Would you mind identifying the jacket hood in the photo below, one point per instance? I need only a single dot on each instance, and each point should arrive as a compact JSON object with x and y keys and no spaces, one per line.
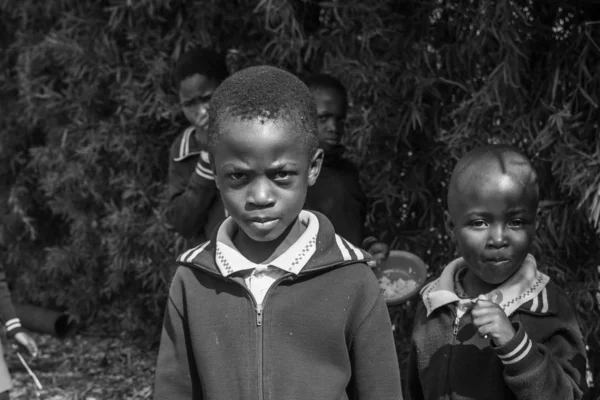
{"x":332,"y":251}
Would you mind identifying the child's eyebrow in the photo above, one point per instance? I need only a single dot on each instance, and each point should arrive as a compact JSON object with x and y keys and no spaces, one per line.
{"x":281,"y":165}
{"x":478,"y":213}
{"x":207,"y":93}
{"x":517,"y":210}
{"x":240,"y":166}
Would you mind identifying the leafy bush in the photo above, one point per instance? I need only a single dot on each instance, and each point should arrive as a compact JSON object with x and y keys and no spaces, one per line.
{"x":89,"y":113}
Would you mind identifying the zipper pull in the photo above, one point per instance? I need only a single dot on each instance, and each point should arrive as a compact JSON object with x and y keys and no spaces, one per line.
{"x":259,"y":315}
{"x":456,"y":323}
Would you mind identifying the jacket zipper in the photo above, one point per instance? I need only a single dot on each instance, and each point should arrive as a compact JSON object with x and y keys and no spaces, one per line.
{"x":259,"y":321}
{"x":259,"y":348}
{"x":260,"y":336}
{"x":456,"y":325}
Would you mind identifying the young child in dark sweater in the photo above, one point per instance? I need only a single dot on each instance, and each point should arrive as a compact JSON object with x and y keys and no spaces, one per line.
{"x":337,"y":193}
{"x":276,"y":305}
{"x":195,"y":208}
{"x":493,"y":326}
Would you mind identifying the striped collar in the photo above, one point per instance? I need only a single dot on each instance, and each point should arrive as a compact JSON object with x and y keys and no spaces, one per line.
{"x":190,"y":147}
{"x":527,"y":285}
{"x":229,"y":260}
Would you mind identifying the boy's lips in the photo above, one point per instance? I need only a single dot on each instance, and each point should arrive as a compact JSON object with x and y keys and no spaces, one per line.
{"x":261,"y":219}
{"x":262,"y":223}
{"x":497,"y":260}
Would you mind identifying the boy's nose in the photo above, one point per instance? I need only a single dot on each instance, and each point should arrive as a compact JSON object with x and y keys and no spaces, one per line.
{"x":331,"y":125}
{"x":260,"y":194}
{"x":497,"y":238}
{"x":202,"y":109}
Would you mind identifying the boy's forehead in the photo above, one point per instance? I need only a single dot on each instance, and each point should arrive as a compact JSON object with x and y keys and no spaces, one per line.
{"x":494,"y":165}
{"x":273,"y":130}
{"x":195,"y":83}
{"x":328,"y":95}
{"x":501,"y":170}
{"x":229,"y":121}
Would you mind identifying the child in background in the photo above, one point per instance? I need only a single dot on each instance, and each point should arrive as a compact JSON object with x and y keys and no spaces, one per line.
{"x":275,"y":305}
{"x":13,"y":330}
{"x":195,"y":208}
{"x":492,"y":326}
{"x":337,"y":193}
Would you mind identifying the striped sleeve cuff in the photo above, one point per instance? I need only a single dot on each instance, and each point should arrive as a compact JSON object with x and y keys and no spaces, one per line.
{"x":204,"y":170}
{"x":518,"y":353}
{"x":202,"y":177}
{"x":13,"y":326}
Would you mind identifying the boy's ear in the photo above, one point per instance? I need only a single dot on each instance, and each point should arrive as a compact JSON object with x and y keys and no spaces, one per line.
{"x":315,"y":166}
{"x":449,"y":224}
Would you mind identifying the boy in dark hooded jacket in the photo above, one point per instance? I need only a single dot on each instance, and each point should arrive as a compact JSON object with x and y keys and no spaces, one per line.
{"x":276,"y":305}
{"x":493,"y":326}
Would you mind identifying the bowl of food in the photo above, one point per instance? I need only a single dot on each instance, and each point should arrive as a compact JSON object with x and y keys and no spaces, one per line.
{"x":400,"y":276}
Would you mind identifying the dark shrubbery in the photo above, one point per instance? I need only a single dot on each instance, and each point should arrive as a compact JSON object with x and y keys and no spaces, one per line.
{"x":88,"y":115}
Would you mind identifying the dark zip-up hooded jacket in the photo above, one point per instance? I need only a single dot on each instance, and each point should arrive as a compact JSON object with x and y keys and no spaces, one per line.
{"x":545,"y":359}
{"x":323,"y":334}
{"x":195,"y":208}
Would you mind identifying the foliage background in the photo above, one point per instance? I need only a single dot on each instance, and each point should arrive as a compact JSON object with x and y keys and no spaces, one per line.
{"x":88,"y":114}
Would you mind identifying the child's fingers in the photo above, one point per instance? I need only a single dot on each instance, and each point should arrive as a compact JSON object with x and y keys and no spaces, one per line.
{"x":32,"y":347}
{"x":482,"y":307}
{"x":485,"y":326}
{"x":483,"y":319}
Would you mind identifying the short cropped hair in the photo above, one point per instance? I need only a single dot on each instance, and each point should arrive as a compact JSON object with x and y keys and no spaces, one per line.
{"x":268,"y":94}
{"x":203,"y":61}
{"x":483,"y":161}
{"x":326,"y":81}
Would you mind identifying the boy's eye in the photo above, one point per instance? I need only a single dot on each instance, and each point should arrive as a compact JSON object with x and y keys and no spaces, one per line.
{"x":236,"y":176}
{"x":323,"y":118}
{"x":196,"y":101}
{"x":282,"y":175}
{"x":516,"y":223}
{"x":478,"y":223}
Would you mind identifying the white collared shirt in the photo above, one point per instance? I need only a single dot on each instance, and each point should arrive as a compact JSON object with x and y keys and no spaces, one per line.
{"x":260,"y":277}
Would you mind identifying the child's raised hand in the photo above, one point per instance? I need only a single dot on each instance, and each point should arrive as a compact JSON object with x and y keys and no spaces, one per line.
{"x":491,"y":320}
{"x":379,"y":251}
{"x":27,"y":341}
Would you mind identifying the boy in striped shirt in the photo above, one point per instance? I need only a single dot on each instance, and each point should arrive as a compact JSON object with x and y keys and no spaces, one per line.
{"x":492,"y":326}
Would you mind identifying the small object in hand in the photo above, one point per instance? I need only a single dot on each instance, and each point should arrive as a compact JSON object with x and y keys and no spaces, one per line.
{"x":495,"y":296}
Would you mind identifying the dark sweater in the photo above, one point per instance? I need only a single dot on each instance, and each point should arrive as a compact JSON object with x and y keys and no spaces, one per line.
{"x":338,"y":194}
{"x":195,"y":208}
{"x":544,"y":360}
{"x":323,"y":334}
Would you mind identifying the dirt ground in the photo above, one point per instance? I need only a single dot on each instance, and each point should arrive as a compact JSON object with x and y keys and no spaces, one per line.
{"x":83,"y":368}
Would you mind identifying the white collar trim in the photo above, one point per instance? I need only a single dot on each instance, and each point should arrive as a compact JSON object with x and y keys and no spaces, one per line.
{"x":229,"y":260}
{"x":523,"y":286}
